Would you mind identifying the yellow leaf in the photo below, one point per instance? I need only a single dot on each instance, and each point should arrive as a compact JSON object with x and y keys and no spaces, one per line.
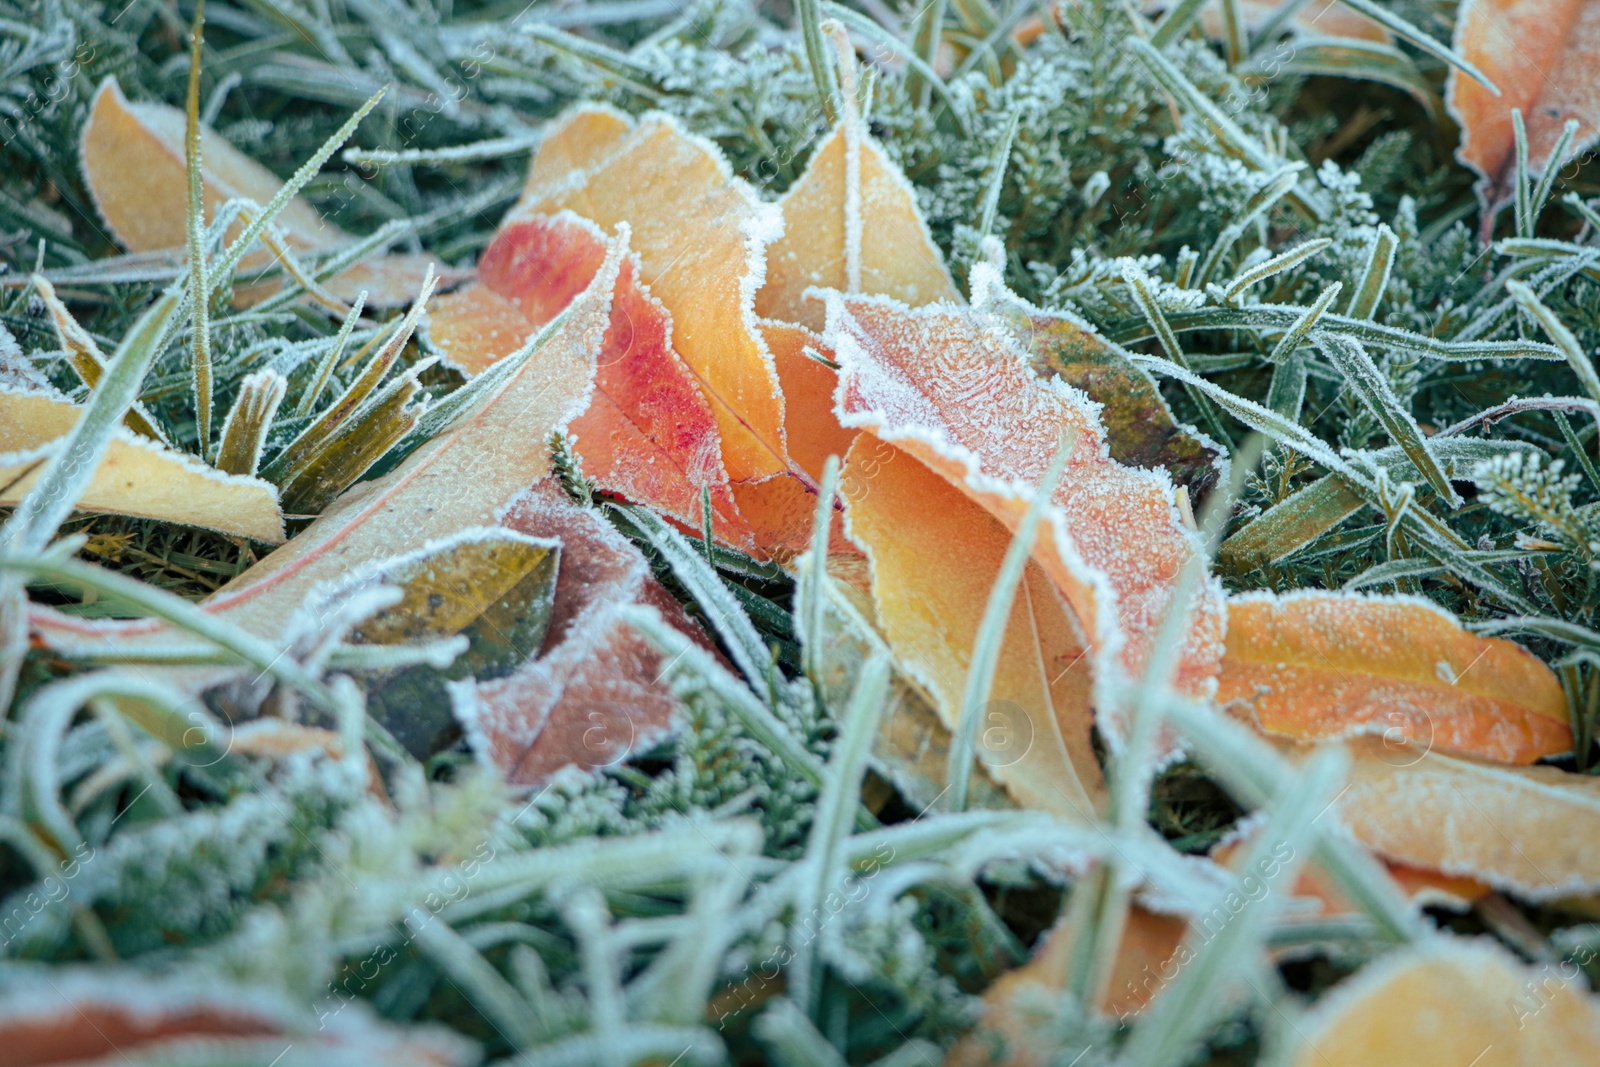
{"x":934,"y":558}
{"x":1319,"y":666}
{"x":825,"y":222}
{"x":133,"y":165}
{"x":137,"y":477}
{"x":1450,"y":1003}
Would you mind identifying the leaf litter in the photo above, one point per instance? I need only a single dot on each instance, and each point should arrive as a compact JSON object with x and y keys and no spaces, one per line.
{"x":673,"y":721}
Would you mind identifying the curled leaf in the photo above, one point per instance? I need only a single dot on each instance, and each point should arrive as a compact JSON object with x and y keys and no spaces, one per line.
{"x":1524,"y":830}
{"x":1317,"y":666}
{"x":649,"y":433}
{"x":934,"y":556}
{"x":953,"y":390}
{"x":137,"y":476}
{"x":700,"y":235}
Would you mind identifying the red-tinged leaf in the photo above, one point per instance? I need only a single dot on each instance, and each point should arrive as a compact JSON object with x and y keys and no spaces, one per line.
{"x":1318,"y":666}
{"x":1445,"y":1002}
{"x":701,"y":236}
{"x":113,"y":1016}
{"x":649,"y":433}
{"x":851,"y":212}
{"x":593,"y":695}
{"x":1541,"y":55}
{"x":953,"y":389}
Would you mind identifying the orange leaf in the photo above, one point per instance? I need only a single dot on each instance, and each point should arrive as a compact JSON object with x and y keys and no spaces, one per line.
{"x":1424,"y":887}
{"x":830,"y":219}
{"x":112,"y":1016}
{"x":592,"y":695}
{"x":1018,"y":1007}
{"x":137,"y":476}
{"x":1525,"y":830}
{"x":700,"y":234}
{"x":1453,"y":1003}
{"x":934,"y":557}
{"x":1541,"y":54}
{"x":133,"y":165}
{"x":1319,"y":666}
{"x":953,"y":389}
{"x":575,"y":143}
{"x":648,"y":433}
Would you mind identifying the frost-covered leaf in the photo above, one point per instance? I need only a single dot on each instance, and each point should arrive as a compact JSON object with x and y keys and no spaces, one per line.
{"x":492,"y":586}
{"x":595,"y":693}
{"x":649,"y":433}
{"x":934,"y":557}
{"x":1317,"y":666}
{"x":700,"y":234}
{"x":952,"y":390}
{"x":1524,"y":830}
{"x":133,"y":164}
{"x":465,"y":477}
{"x":851,"y":222}
{"x":1140,"y":429}
{"x":1541,"y":55}
{"x":1448,"y":1002}
{"x":122,"y":1015}
{"x":137,"y":476}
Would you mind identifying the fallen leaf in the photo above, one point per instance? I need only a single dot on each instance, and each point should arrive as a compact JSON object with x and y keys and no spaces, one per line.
{"x":1140,"y":429}
{"x":934,"y":556}
{"x":575,"y":143}
{"x":133,"y":166}
{"x":834,"y":228}
{"x":1014,"y":1028}
{"x":1448,"y":1002}
{"x":494,"y":587}
{"x":1522,"y":830}
{"x":648,"y":434}
{"x":911,"y":750}
{"x":137,"y":476}
{"x":1541,"y":55}
{"x":119,"y":1015}
{"x":593,"y":690}
{"x":464,"y":477}
{"x":1319,"y":666}
{"x":594,"y":694}
{"x":700,"y":234}
{"x":1424,"y":888}
{"x":952,"y":388}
